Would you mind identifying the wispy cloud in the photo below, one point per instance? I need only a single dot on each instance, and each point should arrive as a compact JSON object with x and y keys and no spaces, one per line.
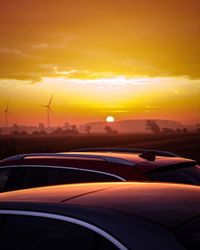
{"x":150,"y":107}
{"x":10,"y":51}
{"x":40,"y":46}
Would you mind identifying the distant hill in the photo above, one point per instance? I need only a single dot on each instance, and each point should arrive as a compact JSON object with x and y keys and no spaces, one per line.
{"x":129,"y":126}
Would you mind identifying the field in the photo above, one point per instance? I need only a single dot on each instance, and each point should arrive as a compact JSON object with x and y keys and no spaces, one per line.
{"x":187,"y":145}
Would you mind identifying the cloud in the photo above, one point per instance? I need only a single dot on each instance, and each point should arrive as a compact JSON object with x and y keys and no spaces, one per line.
{"x":40,"y":46}
{"x":120,"y":38}
{"x":150,"y":107}
{"x":9,"y":51}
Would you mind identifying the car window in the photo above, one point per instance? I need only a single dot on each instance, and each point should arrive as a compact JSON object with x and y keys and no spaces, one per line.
{"x":87,"y":176}
{"x":34,"y":233}
{"x":4,"y":175}
{"x":190,"y":175}
{"x":45,"y":176}
{"x":189,"y":234}
{"x":9,"y":178}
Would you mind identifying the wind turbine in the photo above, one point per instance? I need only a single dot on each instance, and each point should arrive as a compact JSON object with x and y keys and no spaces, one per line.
{"x":6,"y":115}
{"x":48,"y":107}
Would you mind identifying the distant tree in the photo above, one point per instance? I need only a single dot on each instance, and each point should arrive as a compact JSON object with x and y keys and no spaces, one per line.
{"x":24,"y":133}
{"x":168,"y":131}
{"x":15,"y":133}
{"x":88,"y":129}
{"x":68,"y":132}
{"x":41,"y":127}
{"x":152,"y":126}
{"x":185,"y":130}
{"x":178,"y":130}
{"x":42,"y":133}
{"x":74,"y":130}
{"x":35,"y":133}
{"x":198,"y":130}
{"x":110,"y":131}
{"x":66,"y":126}
{"x":115,"y":132}
{"x":58,"y":131}
{"x":197,"y":127}
{"x":15,"y":127}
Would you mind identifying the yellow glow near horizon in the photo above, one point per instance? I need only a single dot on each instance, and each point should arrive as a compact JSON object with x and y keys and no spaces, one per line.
{"x":81,"y":100}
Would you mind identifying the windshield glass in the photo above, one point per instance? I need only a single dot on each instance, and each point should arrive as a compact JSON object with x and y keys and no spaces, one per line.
{"x":189,"y":175}
{"x":189,"y":234}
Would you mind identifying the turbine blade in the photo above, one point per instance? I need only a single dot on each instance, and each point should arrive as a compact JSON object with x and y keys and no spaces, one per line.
{"x":50,"y":101}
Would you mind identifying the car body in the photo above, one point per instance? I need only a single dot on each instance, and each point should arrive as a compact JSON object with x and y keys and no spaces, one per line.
{"x":95,"y":165}
{"x":102,"y":216}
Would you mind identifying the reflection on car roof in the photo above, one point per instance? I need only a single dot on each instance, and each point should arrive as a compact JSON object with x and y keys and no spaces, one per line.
{"x":169,"y":204}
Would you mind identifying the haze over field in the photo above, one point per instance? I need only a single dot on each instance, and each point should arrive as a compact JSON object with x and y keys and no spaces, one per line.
{"x":130,"y":59}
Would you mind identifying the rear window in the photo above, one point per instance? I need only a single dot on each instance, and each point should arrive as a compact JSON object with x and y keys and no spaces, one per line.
{"x":189,"y":175}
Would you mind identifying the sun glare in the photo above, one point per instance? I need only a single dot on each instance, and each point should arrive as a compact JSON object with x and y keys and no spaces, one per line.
{"x":110,"y":119}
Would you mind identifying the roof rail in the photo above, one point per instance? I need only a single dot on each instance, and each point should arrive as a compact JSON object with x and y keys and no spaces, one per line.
{"x":127,"y":150}
{"x":14,"y":157}
{"x":74,"y":155}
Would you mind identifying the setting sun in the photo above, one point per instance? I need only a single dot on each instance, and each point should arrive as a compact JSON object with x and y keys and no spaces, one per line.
{"x":110,"y":119}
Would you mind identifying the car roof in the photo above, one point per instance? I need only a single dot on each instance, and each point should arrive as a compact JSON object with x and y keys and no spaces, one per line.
{"x":131,"y":159}
{"x":144,"y":165}
{"x":168,"y":204}
{"x":165,"y":163}
{"x":120,"y":158}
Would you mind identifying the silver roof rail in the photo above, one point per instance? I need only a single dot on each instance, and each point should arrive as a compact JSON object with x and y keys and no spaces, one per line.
{"x":14,"y":157}
{"x":127,"y":150}
{"x":73,"y":154}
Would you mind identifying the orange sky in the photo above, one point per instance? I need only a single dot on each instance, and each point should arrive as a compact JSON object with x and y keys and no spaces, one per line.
{"x":130,"y":59}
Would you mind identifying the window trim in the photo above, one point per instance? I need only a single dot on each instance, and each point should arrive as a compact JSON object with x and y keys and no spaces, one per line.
{"x":103,"y":173}
{"x":10,"y":166}
{"x":48,"y":166}
{"x":79,"y":222}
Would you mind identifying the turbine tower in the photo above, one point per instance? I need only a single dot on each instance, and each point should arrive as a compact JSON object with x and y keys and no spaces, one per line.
{"x":48,"y":107}
{"x":6,"y":115}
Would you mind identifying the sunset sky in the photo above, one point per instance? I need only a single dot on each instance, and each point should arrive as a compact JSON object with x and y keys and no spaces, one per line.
{"x":130,"y":59}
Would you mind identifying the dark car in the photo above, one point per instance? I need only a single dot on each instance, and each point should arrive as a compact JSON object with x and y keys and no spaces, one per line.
{"x":101,"y":216}
{"x":95,"y":165}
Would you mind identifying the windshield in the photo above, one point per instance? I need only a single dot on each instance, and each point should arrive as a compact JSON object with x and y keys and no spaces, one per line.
{"x":189,"y":234}
{"x":189,"y":175}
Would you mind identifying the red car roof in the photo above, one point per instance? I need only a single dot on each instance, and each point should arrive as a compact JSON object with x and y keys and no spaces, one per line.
{"x":130,"y":159}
